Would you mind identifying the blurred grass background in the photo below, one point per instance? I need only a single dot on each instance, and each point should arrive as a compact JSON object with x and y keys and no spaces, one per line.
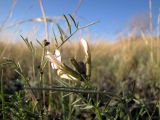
{"x":113,"y":64}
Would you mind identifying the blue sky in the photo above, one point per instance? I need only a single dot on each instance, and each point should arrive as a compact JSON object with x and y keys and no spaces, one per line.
{"x":112,"y":14}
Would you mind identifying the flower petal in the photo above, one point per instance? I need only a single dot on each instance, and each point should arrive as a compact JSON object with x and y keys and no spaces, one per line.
{"x":54,"y":66}
{"x":64,"y":75}
{"x":58,"y":55}
{"x":55,"y":63}
{"x":85,"y":46}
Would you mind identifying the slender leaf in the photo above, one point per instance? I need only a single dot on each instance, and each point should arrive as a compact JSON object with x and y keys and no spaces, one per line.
{"x":73,"y":20}
{"x":61,"y":32}
{"x":55,"y":38}
{"x":69,"y":26}
{"x":39,"y":43}
{"x":77,"y":26}
{"x":87,"y":107}
{"x":75,"y":102}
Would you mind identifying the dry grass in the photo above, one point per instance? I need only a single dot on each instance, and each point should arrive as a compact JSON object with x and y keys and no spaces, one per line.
{"x":131,"y":64}
{"x":111,"y":58}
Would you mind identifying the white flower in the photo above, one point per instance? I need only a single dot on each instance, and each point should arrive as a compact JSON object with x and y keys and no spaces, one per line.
{"x":85,"y":46}
{"x":62,"y":70}
{"x":54,"y":59}
{"x":65,"y":71}
{"x":57,"y":55}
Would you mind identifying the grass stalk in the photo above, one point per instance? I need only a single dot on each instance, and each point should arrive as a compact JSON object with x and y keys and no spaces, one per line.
{"x":2,"y":95}
{"x":47,"y":38}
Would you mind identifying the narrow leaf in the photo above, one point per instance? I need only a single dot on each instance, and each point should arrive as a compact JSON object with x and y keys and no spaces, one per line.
{"x":77,"y":25}
{"x":39,"y":43}
{"x":73,"y":20}
{"x":55,"y":38}
{"x":27,"y":42}
{"x":61,"y":32}
{"x":87,"y":107}
{"x":69,"y":26}
{"x":76,"y":101}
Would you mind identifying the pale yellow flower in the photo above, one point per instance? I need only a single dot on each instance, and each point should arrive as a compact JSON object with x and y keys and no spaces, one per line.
{"x":62,"y":70}
{"x":85,"y":46}
{"x":54,"y":59}
{"x":82,"y":70}
{"x":58,"y":57}
{"x":64,"y":75}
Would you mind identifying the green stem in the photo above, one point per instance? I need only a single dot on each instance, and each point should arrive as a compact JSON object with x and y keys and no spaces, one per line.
{"x":98,"y":114}
{"x":2,"y":95}
{"x":41,"y":74}
{"x":67,"y":38}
